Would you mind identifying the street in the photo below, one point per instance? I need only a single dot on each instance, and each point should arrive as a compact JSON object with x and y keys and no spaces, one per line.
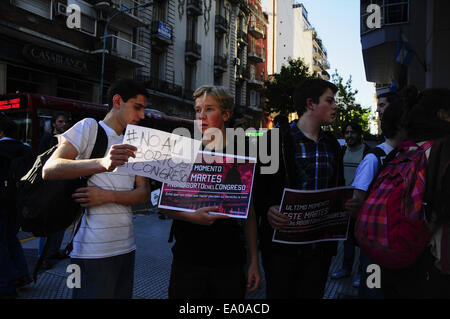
{"x":152,"y":268}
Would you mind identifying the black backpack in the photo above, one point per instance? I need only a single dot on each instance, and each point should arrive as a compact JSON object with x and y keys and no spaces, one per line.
{"x":46,"y":207}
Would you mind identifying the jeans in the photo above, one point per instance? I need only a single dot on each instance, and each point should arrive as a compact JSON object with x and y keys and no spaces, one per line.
{"x":55,"y":241}
{"x":110,"y":277}
{"x":349,"y":257}
{"x":12,"y":260}
{"x":299,"y":275}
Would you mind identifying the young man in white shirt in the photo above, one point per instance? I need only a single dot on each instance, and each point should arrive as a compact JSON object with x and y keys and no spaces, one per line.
{"x":366,"y":172}
{"x":104,"y":247}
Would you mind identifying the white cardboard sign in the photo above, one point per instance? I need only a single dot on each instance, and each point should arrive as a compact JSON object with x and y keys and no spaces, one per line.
{"x":161,"y":156}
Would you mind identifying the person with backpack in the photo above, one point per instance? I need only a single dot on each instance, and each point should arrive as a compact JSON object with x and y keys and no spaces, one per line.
{"x":310,"y":159}
{"x":48,"y":140}
{"x":104,"y":246}
{"x":366,"y":173}
{"x":15,"y":160}
{"x":354,"y":151}
{"x":416,"y":264}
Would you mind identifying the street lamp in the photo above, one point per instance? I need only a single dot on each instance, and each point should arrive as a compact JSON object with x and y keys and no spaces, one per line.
{"x":105,"y":33}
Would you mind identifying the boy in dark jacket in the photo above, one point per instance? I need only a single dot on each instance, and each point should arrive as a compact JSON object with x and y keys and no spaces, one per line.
{"x":310,"y":159}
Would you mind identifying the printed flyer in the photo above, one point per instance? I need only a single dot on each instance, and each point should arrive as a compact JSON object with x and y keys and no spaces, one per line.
{"x":216,"y":179}
{"x":314,"y":216}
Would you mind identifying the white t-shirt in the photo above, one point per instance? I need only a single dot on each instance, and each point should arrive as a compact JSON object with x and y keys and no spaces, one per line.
{"x":368,"y":168}
{"x":105,"y":230}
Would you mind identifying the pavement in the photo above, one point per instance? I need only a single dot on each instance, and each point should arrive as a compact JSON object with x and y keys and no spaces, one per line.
{"x":152,"y":266}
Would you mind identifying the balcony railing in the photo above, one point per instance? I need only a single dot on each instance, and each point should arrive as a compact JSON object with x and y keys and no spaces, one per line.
{"x":130,"y":18}
{"x":162,"y":32}
{"x":256,"y":29}
{"x":392,"y":13}
{"x":220,"y":63}
{"x":123,"y":48}
{"x":253,"y":78}
{"x":194,"y":7}
{"x":156,"y":84}
{"x":255,"y":53}
{"x":221,"y":24}
{"x":193,"y":50}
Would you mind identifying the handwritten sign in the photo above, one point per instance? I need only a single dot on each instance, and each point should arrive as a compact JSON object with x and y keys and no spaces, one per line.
{"x":162,"y":156}
{"x":314,"y":216}
{"x":216,"y":179}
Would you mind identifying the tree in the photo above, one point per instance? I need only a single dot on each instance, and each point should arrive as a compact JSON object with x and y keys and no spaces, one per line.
{"x":278,"y":89}
{"x":348,"y":109}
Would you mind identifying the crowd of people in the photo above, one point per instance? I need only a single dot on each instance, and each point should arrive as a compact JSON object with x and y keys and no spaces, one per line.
{"x":215,"y":256}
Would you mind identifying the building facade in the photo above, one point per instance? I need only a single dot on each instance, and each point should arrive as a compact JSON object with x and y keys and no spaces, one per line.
{"x":173,"y":46}
{"x":410,"y":46}
{"x":291,"y":35}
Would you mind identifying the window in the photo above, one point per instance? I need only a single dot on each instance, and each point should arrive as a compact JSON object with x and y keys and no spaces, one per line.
{"x":219,"y":7}
{"x":88,"y":17}
{"x":392,"y":12}
{"x":218,"y":80}
{"x":156,"y":63}
{"x":42,"y":8}
{"x":189,"y":80}
{"x":88,"y":24}
{"x":396,"y":12}
{"x":191,"y":34}
{"x":159,"y":11}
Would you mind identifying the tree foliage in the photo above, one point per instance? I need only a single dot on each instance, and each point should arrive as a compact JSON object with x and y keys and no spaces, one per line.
{"x":348,"y":109}
{"x":279,"y":88}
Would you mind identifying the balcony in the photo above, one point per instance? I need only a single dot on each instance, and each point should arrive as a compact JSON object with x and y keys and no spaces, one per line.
{"x":121,"y":50}
{"x":253,"y":79}
{"x":242,"y":37}
{"x":220,"y":63}
{"x":379,"y":45}
{"x":255,"y":53}
{"x":130,"y":18}
{"x":221,"y":24}
{"x":317,"y":67}
{"x":159,"y":85}
{"x":194,"y":7}
{"x":256,"y":29}
{"x":193,"y":51}
{"x":161,"y":34}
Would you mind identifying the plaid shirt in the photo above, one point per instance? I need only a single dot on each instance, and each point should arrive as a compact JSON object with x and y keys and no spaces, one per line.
{"x":315,"y":162}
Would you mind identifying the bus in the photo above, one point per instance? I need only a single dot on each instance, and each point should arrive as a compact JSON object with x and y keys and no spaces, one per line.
{"x":32,"y":113}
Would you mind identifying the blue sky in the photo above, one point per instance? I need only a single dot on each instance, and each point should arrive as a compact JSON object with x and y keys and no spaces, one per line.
{"x":337,"y":24}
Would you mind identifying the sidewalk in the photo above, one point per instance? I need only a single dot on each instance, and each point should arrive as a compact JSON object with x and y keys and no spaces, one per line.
{"x":153,"y":261}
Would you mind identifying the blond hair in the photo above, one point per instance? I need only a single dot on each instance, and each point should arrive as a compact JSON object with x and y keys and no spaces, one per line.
{"x":219,"y":93}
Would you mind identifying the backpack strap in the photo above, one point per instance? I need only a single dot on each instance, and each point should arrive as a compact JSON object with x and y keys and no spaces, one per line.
{"x":379,"y":153}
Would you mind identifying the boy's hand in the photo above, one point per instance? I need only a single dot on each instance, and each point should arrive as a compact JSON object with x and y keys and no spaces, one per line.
{"x":117,"y":156}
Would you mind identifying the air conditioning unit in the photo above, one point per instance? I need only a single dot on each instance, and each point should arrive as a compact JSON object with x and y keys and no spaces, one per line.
{"x":61,"y":9}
